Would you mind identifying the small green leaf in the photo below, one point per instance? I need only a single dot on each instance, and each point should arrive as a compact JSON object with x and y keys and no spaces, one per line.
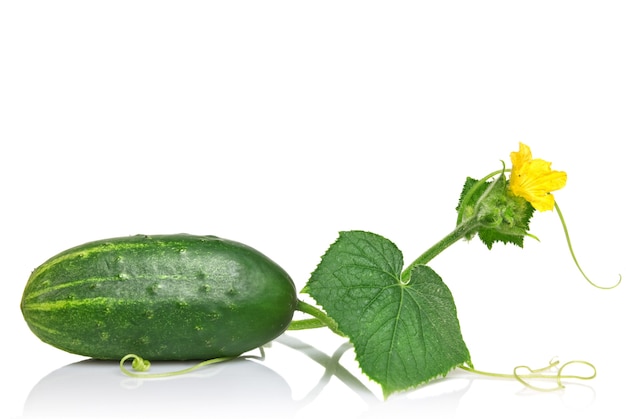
{"x":471,"y":193}
{"x":404,"y":334}
{"x":503,"y":217}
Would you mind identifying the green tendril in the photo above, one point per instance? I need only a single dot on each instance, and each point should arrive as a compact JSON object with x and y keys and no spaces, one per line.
{"x":549,"y":372}
{"x":571,"y":251}
{"x":142,"y":366}
{"x":138,"y":364}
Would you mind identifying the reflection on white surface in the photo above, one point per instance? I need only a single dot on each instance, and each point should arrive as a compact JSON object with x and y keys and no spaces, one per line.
{"x":97,"y":389}
{"x":295,"y":380}
{"x":239,"y":388}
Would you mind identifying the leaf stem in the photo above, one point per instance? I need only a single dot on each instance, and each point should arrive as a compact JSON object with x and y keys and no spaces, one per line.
{"x":462,"y":230}
{"x":320,"y":319}
{"x":306,"y":324}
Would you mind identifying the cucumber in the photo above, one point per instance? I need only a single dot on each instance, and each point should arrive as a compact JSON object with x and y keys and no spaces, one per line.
{"x":167,"y":297}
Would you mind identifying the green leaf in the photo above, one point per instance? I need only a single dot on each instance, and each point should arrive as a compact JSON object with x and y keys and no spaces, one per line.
{"x":404,"y":334}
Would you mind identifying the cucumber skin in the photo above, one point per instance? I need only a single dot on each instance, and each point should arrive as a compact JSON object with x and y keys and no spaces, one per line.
{"x":167,"y":297}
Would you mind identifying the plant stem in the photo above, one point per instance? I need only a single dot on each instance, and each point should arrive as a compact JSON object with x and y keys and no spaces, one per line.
{"x":462,"y":230}
{"x":306,"y":324}
{"x":321,"y":319}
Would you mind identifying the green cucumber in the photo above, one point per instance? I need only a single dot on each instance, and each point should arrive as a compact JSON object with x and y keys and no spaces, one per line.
{"x":167,"y":297}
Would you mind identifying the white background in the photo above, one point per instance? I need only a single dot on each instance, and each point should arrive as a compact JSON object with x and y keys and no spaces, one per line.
{"x":280,"y":123}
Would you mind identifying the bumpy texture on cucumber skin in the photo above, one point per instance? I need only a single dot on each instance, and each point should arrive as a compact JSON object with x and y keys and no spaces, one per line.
{"x":168,"y":297}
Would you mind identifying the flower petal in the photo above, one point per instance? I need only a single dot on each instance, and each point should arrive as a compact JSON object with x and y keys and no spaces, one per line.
{"x":543,"y":203}
{"x":534,"y":179}
{"x":524,"y":155}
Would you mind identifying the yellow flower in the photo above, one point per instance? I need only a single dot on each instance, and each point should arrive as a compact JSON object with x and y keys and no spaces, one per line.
{"x":533,"y":179}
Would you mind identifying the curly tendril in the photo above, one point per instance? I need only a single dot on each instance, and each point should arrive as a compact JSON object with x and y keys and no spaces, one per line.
{"x":138,"y":364}
{"x":559,"y":376}
{"x":523,"y":374}
{"x":142,"y":366}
